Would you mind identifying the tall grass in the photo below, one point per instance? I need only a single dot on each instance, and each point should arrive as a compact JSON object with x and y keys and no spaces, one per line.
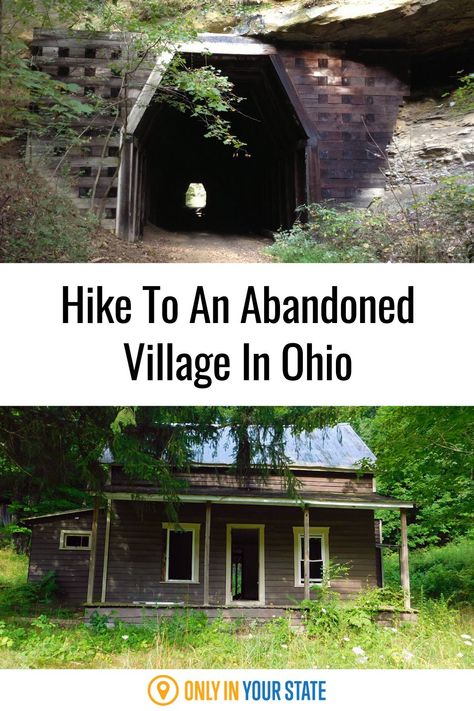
{"x":13,"y":568}
{"x":442,"y":638}
{"x":438,"y":572}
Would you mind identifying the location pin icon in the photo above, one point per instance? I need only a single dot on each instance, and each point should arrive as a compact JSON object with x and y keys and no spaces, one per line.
{"x":163,"y":688}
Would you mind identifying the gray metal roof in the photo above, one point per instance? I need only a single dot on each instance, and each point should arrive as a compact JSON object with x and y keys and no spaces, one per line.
{"x":338,"y":447}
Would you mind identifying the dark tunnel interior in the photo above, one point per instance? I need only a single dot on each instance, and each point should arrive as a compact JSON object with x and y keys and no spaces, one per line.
{"x":247,"y":191}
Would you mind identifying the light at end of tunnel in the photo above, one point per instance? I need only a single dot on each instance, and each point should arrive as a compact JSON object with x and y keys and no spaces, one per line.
{"x":196,"y":196}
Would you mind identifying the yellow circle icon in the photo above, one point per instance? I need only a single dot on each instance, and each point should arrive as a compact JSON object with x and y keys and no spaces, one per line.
{"x":163,"y":690}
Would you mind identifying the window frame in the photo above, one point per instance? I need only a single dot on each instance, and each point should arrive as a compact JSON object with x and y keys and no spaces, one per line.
{"x":298,"y":536}
{"x":71,"y":532}
{"x":195,"y":529}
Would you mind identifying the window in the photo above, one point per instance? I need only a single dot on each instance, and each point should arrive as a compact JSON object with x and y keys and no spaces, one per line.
{"x":318,"y":554}
{"x":181,"y":552}
{"x":75,"y":540}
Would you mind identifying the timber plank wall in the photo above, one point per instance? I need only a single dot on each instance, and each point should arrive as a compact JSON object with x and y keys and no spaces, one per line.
{"x":136,"y":555}
{"x":215,"y":480}
{"x":71,"y":566}
{"x":135,"y":561}
{"x":352,"y":104}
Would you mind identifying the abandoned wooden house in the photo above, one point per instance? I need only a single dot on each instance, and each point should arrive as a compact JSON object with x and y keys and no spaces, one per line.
{"x":240,"y":548}
{"x":316,"y":123}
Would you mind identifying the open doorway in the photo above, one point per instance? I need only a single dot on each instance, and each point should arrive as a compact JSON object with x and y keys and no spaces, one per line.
{"x":245,"y":564}
{"x":246,"y":192}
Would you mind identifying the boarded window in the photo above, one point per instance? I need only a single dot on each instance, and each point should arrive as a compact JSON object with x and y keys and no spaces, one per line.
{"x":75,"y":540}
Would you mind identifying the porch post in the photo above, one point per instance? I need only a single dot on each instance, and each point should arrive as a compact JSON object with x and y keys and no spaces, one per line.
{"x":93,"y":553}
{"x":207,"y":551}
{"x":306,"y":552}
{"x":106,"y":551}
{"x":404,"y":570}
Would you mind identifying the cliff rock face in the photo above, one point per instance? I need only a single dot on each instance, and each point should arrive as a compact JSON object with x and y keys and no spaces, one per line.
{"x":420,"y":25}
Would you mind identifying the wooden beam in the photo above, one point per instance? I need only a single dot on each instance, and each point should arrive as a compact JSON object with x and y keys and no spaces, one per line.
{"x":106,"y":552}
{"x":93,"y":553}
{"x":124,"y":188}
{"x":207,"y":553}
{"x":148,"y":92}
{"x":404,"y":569}
{"x":306,"y":553}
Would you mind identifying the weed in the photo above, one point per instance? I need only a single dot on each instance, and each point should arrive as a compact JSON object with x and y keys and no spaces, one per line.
{"x":436,"y":228}
{"x":38,"y":224}
{"x":442,"y":638}
{"x":462,"y":98}
{"x":438,"y":573}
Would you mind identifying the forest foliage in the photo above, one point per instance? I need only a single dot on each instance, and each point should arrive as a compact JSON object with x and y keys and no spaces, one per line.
{"x":50,"y":456}
{"x":32,"y":102}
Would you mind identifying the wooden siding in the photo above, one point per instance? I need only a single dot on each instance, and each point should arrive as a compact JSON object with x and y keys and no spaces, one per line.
{"x":70,"y":566}
{"x":136,"y":554}
{"x":313,"y":482}
{"x":351,"y":107}
{"x":135,"y":558}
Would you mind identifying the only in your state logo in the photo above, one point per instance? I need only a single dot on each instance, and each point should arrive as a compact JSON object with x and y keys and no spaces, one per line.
{"x":163,"y":690}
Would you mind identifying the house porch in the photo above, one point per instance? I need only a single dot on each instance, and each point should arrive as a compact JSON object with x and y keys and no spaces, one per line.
{"x":240,"y":557}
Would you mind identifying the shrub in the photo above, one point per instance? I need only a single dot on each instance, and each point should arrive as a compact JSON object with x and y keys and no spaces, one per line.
{"x":36,"y":223}
{"x":437,"y":228}
{"x":327,"y":614}
{"x":438,"y":572}
{"x":463,"y":96}
{"x":24,"y":597}
{"x":327,"y":236}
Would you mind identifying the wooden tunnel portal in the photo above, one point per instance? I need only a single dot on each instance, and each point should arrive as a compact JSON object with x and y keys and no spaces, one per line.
{"x":316,"y":123}
{"x":248,"y":190}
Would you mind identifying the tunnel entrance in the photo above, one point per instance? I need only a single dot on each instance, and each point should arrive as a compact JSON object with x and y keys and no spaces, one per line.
{"x":246,"y":192}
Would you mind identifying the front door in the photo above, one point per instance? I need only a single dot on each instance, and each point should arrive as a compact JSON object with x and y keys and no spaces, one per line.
{"x":245,"y":575}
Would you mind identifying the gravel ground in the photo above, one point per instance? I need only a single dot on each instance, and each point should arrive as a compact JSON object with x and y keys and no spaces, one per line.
{"x":161,"y":246}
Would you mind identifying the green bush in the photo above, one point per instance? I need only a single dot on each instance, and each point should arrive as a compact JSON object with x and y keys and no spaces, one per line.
{"x":327,"y":614}
{"x":24,"y":597}
{"x":463,"y":96}
{"x":436,"y":228}
{"x":438,"y":572}
{"x":327,"y":236}
{"x":38,"y":224}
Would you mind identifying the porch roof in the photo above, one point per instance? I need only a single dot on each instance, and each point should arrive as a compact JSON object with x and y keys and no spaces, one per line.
{"x":267,"y":498}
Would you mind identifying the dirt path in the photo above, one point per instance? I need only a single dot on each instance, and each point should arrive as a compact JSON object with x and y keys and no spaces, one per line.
{"x":173,"y":247}
{"x":205,"y":246}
